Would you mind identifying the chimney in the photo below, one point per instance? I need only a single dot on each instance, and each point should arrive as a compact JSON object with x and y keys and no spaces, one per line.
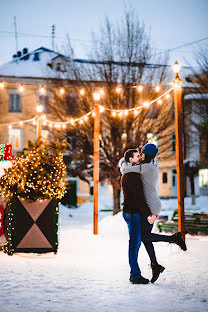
{"x":25,"y":51}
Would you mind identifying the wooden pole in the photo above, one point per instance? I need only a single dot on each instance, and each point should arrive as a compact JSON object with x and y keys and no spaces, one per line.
{"x":179,"y":154}
{"x":39,"y":127}
{"x":96,"y":166}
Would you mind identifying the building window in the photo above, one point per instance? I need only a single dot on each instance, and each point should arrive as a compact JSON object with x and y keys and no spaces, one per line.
{"x":44,"y":100}
{"x":15,"y":138}
{"x":165,"y":177}
{"x":153,"y":111}
{"x":14,"y":103}
{"x":72,"y":103}
{"x":173,"y":143}
{"x":203,"y":178}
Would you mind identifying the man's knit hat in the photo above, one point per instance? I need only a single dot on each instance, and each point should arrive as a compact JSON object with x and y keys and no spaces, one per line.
{"x":150,"y":149}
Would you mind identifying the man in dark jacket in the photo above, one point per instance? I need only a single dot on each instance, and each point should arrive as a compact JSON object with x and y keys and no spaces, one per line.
{"x":134,"y":206}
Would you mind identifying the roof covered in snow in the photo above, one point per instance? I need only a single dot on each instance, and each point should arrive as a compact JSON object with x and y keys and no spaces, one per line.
{"x":35,"y":64}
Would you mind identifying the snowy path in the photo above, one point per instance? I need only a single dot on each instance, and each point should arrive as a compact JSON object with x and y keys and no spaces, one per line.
{"x":90,"y":273}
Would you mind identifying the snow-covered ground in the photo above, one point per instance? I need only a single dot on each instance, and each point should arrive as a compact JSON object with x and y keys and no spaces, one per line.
{"x":90,"y":273}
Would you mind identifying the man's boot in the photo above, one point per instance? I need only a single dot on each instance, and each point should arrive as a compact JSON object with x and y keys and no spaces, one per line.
{"x":177,"y":239}
{"x":139,"y":280}
{"x":156,"y":270}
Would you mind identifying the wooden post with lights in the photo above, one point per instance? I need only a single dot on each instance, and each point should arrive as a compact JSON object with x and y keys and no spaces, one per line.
{"x":179,"y":149}
{"x":96,"y":162}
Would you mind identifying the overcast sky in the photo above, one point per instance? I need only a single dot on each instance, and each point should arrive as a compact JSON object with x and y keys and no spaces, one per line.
{"x":171,"y":23}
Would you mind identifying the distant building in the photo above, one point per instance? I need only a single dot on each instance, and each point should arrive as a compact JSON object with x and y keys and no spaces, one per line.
{"x":26,"y":82}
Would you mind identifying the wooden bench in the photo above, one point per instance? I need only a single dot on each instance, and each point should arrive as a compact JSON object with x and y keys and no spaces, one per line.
{"x":195,"y":223}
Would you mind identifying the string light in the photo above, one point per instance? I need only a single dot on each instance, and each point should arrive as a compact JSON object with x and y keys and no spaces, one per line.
{"x":62,"y":91}
{"x":157,"y":88}
{"x":82,"y":92}
{"x":96,"y":96}
{"x":101,"y":108}
{"x":39,"y":108}
{"x":21,"y":88}
{"x":159,"y":101}
{"x":167,"y":96}
{"x":140,"y":88}
{"x":118,"y":90}
{"x":113,"y":113}
{"x":146,"y":104}
{"x":102,"y":92}
{"x":42,"y":90}
{"x":1,"y":84}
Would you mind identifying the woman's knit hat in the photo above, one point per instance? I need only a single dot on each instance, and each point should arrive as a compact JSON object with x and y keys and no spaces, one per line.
{"x":150,"y":149}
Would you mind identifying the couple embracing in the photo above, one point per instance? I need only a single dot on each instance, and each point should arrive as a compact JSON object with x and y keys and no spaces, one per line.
{"x":141,"y":207}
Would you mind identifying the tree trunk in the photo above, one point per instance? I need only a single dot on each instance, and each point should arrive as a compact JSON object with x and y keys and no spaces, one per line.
{"x":193,"y":202}
{"x":116,"y":200}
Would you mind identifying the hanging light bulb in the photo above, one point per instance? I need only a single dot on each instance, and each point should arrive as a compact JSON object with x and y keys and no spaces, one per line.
{"x":102,"y":92}
{"x":93,"y":114}
{"x":39,"y":108}
{"x":113,"y":113}
{"x":135,"y":112}
{"x":21,"y":123}
{"x":146,"y":104}
{"x":42,"y":90}
{"x":157,"y":88}
{"x":159,"y":101}
{"x":64,"y":126}
{"x":85,"y":118}
{"x":10,"y":126}
{"x":96,"y":96}
{"x":118,"y":90}
{"x":21,"y":88}
{"x":81,"y":121}
{"x":50,"y":125}
{"x":34,"y":122}
{"x":167,"y":96}
{"x":72,"y":122}
{"x":101,"y":108}
{"x":1,"y":84}
{"x":82,"y":92}
{"x":126,"y":112}
{"x":62,"y":91}
{"x":140,"y":88}
{"x":120,"y":114}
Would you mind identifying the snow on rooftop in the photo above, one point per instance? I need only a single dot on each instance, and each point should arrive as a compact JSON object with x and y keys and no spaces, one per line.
{"x":196,"y":96}
{"x":33,"y":64}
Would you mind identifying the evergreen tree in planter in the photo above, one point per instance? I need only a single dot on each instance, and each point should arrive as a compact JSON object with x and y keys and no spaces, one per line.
{"x":33,"y":187}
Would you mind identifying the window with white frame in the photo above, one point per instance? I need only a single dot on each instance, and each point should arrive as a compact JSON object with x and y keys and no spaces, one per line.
{"x":14,"y":101}
{"x":44,"y":100}
{"x":15,"y":138}
{"x":173,"y":143}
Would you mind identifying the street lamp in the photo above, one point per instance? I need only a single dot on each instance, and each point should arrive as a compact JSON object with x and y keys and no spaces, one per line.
{"x":179,"y":148}
{"x":96,"y":97}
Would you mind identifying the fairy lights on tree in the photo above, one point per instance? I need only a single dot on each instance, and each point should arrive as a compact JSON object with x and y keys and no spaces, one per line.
{"x":38,"y":173}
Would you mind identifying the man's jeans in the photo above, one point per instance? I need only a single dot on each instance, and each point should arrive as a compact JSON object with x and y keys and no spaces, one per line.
{"x":134,"y":226}
{"x":148,"y":237}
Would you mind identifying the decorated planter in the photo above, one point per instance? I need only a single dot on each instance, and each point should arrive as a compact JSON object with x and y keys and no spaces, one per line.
{"x":32,"y":226}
